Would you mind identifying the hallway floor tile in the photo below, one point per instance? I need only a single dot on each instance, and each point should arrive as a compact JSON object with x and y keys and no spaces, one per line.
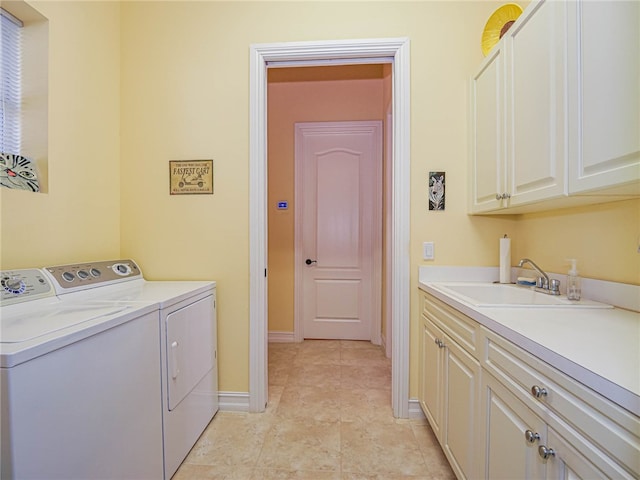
{"x":329,"y":417}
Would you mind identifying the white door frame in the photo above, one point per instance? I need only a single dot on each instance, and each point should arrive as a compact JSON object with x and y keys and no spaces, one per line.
{"x":328,"y":53}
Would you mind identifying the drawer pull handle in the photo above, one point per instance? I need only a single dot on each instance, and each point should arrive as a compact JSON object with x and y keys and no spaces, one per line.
{"x":532,"y":437}
{"x":538,"y":392}
{"x":545,"y":452}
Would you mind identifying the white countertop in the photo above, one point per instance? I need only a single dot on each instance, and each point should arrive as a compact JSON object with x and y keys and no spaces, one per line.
{"x":599,"y":348}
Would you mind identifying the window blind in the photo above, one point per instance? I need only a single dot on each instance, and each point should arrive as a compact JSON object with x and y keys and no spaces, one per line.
{"x":10,"y":82}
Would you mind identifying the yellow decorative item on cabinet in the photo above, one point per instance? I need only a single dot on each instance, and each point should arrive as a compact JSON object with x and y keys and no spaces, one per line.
{"x":499,"y":22}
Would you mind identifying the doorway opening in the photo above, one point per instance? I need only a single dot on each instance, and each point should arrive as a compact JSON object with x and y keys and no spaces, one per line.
{"x":395,"y":51}
{"x":326,"y":109}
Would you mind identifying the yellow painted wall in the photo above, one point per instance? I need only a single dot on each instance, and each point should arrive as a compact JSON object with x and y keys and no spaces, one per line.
{"x":79,"y":217}
{"x":185,"y":85}
{"x":295,"y":95}
{"x":137,"y":84}
{"x":603,"y":238}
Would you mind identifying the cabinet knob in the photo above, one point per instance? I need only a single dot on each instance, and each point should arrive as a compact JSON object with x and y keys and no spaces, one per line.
{"x":538,"y":392}
{"x":532,"y":437}
{"x":546,"y":452}
{"x":439,"y":342}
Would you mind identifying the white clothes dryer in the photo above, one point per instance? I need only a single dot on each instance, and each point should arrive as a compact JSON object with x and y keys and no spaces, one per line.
{"x":79,"y":385}
{"x":188,"y":340}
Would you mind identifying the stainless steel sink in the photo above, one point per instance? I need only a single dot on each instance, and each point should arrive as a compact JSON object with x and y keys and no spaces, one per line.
{"x":507,"y":295}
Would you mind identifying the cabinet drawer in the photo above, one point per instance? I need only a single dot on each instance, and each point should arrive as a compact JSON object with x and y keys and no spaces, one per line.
{"x":564,"y":401}
{"x":576,"y":457}
{"x":459,"y":327}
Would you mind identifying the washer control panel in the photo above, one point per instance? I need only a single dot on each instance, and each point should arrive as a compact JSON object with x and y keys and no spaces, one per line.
{"x":23,"y":285}
{"x":79,"y":276}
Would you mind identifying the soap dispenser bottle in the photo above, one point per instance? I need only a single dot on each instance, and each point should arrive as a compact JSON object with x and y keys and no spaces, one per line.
{"x":573,"y":282}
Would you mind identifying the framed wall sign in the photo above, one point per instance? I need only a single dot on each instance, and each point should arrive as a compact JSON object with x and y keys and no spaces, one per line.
{"x":190,"y":177}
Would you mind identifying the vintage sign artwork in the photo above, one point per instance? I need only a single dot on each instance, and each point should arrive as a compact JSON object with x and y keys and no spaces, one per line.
{"x":190,"y":177}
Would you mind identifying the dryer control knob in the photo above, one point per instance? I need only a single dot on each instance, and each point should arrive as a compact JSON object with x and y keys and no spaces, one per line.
{"x":122,"y":269}
{"x":13,"y":285}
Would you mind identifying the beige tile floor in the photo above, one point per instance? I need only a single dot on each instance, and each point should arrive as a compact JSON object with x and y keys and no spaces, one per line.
{"x":329,"y":417}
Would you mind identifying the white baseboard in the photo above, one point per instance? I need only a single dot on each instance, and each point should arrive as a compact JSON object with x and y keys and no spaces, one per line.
{"x":281,"y":337}
{"x":233,"y":401}
{"x":239,"y":402}
{"x":415,"y":410}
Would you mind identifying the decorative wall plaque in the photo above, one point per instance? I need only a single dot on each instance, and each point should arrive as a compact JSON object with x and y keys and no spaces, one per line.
{"x":190,"y":177}
{"x":436,"y":190}
{"x":18,"y":172}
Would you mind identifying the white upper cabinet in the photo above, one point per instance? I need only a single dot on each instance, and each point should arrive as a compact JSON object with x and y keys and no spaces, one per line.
{"x":555,"y":109}
{"x":487,"y":126}
{"x":536,"y":95}
{"x":604,"y":99}
{"x":517,"y":111}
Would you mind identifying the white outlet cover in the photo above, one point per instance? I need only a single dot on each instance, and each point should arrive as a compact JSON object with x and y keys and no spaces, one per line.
{"x":428,"y":251}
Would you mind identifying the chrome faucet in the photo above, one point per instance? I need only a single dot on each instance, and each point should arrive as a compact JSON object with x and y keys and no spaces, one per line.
{"x":543,"y":283}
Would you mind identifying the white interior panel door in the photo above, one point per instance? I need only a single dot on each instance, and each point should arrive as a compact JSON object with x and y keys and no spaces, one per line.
{"x":339,"y":228}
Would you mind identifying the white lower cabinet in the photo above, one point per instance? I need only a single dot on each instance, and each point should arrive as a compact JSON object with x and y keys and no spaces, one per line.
{"x":501,"y":413}
{"x":584,"y":434}
{"x":519,"y":445}
{"x":462,"y":374}
{"x":431,"y":376}
{"x":506,"y":452}
{"x":449,"y":392}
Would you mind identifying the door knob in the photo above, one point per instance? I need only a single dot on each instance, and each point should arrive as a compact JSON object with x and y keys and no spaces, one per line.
{"x":308,"y":261}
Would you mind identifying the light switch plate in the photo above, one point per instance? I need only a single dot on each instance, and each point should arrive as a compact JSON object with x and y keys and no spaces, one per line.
{"x":427,"y":251}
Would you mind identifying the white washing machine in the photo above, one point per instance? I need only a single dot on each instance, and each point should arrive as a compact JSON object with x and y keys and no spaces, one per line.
{"x":188,"y":340}
{"x":79,"y":385}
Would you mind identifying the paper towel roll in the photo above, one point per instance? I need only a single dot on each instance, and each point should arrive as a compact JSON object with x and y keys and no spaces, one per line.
{"x":505,"y":260}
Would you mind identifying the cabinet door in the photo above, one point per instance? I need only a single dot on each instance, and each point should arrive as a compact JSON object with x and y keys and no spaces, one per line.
{"x":506,"y":453}
{"x":536,"y":93}
{"x":604,"y":116}
{"x":431,"y":375}
{"x":487,"y":134}
{"x":461,"y":387}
